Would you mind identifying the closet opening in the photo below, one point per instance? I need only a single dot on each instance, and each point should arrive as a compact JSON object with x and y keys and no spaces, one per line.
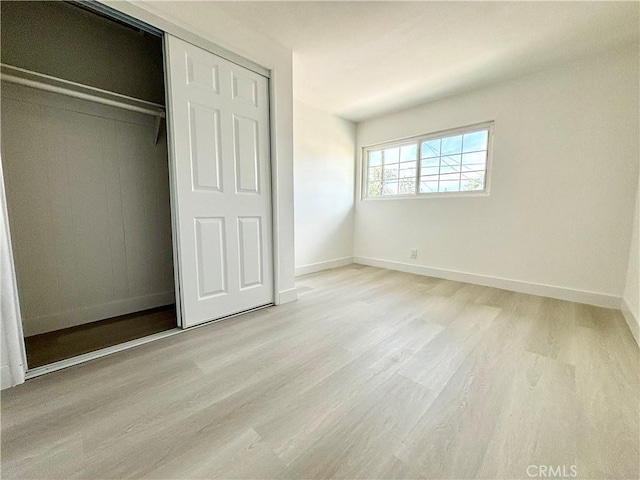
{"x":87,"y":178}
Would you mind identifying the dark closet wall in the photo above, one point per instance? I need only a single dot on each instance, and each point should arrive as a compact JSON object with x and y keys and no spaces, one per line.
{"x":87,"y":184}
{"x":62,"y":40}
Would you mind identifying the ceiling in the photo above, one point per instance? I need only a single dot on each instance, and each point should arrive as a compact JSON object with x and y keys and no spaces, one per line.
{"x":360,"y":59}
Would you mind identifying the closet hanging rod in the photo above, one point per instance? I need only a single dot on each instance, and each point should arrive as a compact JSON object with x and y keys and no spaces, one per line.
{"x":120,"y":100}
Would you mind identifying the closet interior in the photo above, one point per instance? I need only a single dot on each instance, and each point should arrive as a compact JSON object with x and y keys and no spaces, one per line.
{"x":85,"y":166}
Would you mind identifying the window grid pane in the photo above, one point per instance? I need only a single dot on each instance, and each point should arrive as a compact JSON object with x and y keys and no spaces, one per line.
{"x":451,"y":163}
{"x":393,"y":170}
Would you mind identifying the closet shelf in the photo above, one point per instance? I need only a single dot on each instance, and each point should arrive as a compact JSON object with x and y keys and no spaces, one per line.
{"x":52,"y":84}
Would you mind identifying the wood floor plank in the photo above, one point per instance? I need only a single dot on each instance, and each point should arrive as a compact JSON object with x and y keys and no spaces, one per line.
{"x":359,"y":445}
{"x":608,"y":405}
{"x":61,"y":458}
{"x":232,"y":453}
{"x":305,"y":420}
{"x":451,"y":439}
{"x":538,"y":424}
{"x":370,"y":374}
{"x":435,"y":363}
{"x":555,"y":326}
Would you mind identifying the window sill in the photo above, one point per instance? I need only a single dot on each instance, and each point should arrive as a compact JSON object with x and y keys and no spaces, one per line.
{"x":423,"y":196}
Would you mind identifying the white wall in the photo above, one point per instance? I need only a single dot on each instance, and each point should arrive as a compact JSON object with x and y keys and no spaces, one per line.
{"x":324,"y":166}
{"x":631,"y":295}
{"x":565,"y":169}
{"x":88,"y":198}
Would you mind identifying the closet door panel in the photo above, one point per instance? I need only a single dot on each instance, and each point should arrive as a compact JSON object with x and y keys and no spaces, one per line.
{"x":211,"y":246}
{"x":250,"y":238}
{"x":245,"y":154}
{"x":204,"y":129}
{"x":220,"y":133}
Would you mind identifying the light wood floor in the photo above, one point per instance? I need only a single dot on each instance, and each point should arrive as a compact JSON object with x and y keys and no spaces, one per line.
{"x":69,"y":342}
{"x":370,"y":374}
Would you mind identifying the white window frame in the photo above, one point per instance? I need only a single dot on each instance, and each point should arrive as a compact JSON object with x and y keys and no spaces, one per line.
{"x":364,"y":183}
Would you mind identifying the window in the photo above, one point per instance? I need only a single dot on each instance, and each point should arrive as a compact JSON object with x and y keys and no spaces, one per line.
{"x":454,"y":161}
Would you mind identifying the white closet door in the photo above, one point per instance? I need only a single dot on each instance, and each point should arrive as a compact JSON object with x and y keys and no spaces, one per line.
{"x":219,"y":121}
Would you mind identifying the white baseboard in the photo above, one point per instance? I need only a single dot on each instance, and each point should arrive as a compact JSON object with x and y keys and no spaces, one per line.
{"x":93,"y":313}
{"x":632,"y":321}
{"x":5,"y":377}
{"x":317,"y":267}
{"x":286,"y":296}
{"x":561,"y":293}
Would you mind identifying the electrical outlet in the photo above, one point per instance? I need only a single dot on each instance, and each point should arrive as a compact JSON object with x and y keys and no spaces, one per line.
{"x":413,"y":253}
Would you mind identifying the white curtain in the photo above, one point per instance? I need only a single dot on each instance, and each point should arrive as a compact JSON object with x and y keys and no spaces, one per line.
{"x":11,"y":337}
